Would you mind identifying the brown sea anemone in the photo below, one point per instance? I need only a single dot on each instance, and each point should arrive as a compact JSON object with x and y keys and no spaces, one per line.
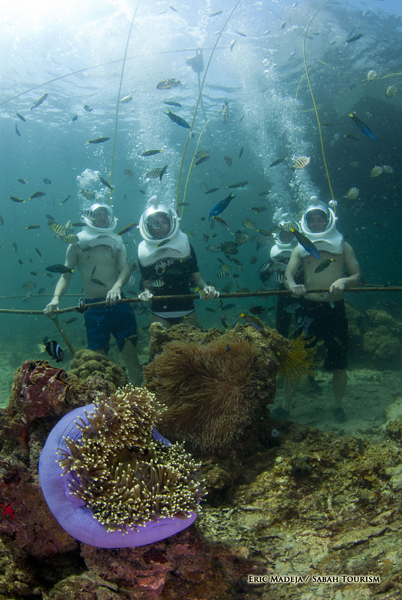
{"x":210,"y":391}
{"x":120,"y":471}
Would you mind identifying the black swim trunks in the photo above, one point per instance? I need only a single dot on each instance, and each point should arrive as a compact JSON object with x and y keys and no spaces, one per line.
{"x":101,"y":321}
{"x":320,"y":320}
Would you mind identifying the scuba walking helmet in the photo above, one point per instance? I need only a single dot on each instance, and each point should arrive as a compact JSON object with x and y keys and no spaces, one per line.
{"x":153,"y":217}
{"x":330,"y":239}
{"x":91,"y":215}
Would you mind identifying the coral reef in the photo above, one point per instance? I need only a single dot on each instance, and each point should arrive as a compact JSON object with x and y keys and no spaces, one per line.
{"x":213,"y":388}
{"x":88,"y":363}
{"x":116,"y":476}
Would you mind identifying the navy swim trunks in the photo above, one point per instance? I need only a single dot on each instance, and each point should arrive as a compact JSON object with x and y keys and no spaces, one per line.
{"x":321,"y":321}
{"x":101,"y":321}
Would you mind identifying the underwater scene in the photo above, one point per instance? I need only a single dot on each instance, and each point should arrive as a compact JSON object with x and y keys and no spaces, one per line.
{"x":246,"y":120}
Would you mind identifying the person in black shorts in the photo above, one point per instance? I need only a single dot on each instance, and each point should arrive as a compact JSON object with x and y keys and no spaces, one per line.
{"x":322,"y":314}
{"x":168,"y":266}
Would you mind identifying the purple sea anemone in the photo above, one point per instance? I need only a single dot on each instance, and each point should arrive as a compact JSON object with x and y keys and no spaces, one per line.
{"x":111,"y":480}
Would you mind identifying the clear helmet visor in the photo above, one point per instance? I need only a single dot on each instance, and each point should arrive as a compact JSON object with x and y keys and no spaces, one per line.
{"x":159,"y":222}
{"x":99,"y":216}
{"x":316,"y":219}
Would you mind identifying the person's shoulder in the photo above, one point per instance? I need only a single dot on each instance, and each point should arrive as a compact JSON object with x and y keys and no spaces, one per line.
{"x":347,"y":247}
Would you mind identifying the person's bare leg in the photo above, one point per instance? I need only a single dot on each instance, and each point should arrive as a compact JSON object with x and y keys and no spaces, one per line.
{"x":339,"y":381}
{"x":130,"y":357}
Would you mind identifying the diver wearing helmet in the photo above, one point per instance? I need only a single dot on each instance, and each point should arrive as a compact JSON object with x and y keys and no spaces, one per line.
{"x":279,"y":257}
{"x":168,"y":264}
{"x":101,"y":259}
{"x":322,"y":314}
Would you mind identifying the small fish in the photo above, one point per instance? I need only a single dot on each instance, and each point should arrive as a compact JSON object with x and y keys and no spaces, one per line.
{"x":362,"y":126}
{"x":258,"y":209}
{"x":98,"y":282}
{"x":229,"y":248}
{"x":324,"y":265}
{"x":156,"y":172}
{"x":232,"y":43}
{"x":257,"y":310}
{"x":1,"y":220}
{"x":27,"y":297}
{"x":229,"y":161}
{"x":15,"y":199}
{"x":42,"y":291}
{"x":241,"y":238}
{"x":93,"y":271}
{"x":70,"y":320}
{"x":81,"y":305}
{"x":380,"y":225}
{"x":306,"y":243}
{"x":150,"y":152}
{"x":354,"y":38}
{"x":88,"y":108}
{"x":277,"y":162}
{"x":254,"y":321}
{"x":15,"y":247}
{"x":212,"y":190}
{"x":47,"y":181}
{"x":33,"y":227}
{"x":300,"y":163}
{"x":210,"y":310}
{"x":216,"y":13}
{"x":17,"y":131}
{"x":241,"y":33}
{"x":126,"y":99}
{"x":59,"y":269}
{"x":249,"y":223}
{"x":388,"y":169}
{"x":222,"y":222}
{"x":352,"y":193}
{"x":188,"y":233}
{"x":252,"y":260}
{"x":131,"y":281}
{"x":173,"y":8}
{"x":49,"y":275}
{"x":178,"y":120}
{"x":391,"y":91}
{"x":183,"y":204}
{"x":128,"y":228}
{"x":263,"y":194}
{"x":28,"y":285}
{"x":104,"y":182}
{"x":172,"y":103}
{"x":163,"y":243}
{"x":129,"y":173}
{"x":22,"y":181}
{"x":225,"y":112}
{"x":58,"y":229}
{"x":227,"y":306}
{"x":37,"y":195}
{"x":222,"y":275}
{"x":264,"y":232}
{"x":88,"y":194}
{"x":371,"y":75}
{"x":99,"y":140}
{"x":74,"y":118}
{"x":376,"y":171}
{"x":158,"y":283}
{"x":240,"y":153}
{"x":201,"y":160}
{"x":166,"y":84}
{"x":38,"y":252}
{"x":52,"y":348}
{"x":237,"y":185}
{"x":352,"y":137}
{"x":220,"y":207}
{"x":65,"y":200}
{"x":20,"y":117}
{"x":39,"y":101}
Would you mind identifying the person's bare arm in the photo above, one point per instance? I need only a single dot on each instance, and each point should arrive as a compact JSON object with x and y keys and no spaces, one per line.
{"x":64,"y":281}
{"x":353,"y":280}
{"x":207,"y":291}
{"x":114,"y":293}
{"x":146,"y":295}
{"x":291,"y":270}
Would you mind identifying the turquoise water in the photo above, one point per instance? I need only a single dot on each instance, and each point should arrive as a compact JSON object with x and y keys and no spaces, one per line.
{"x":270,"y":117}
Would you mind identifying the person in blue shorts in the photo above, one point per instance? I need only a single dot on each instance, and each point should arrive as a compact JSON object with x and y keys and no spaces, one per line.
{"x":101,"y":259}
